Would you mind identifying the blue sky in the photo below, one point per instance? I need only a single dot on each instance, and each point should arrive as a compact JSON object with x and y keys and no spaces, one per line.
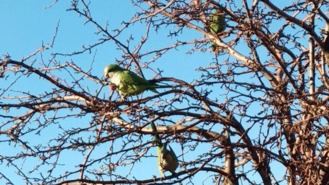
{"x":29,"y":24}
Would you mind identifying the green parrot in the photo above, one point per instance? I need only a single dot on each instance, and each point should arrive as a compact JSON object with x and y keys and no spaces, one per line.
{"x":217,"y":25}
{"x":127,"y":82}
{"x":167,"y":159}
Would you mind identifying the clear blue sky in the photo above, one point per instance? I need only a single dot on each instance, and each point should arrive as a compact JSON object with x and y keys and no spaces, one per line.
{"x":26,"y":25}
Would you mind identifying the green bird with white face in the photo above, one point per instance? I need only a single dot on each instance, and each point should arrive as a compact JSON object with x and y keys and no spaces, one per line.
{"x":167,"y":159}
{"x":217,"y":22}
{"x":127,"y":82}
{"x":216,"y":25}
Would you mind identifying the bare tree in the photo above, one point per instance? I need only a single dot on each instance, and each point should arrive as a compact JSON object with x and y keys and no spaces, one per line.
{"x":255,"y":114}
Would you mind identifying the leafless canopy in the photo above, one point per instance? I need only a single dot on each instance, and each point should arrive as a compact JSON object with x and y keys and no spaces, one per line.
{"x":255,"y":113}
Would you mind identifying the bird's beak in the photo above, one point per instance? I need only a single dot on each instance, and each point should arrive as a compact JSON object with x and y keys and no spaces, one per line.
{"x":105,"y":78}
{"x":106,"y":75}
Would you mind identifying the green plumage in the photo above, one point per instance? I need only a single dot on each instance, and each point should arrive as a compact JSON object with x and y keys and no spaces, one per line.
{"x":127,"y":82}
{"x":217,"y":25}
{"x":167,"y":159}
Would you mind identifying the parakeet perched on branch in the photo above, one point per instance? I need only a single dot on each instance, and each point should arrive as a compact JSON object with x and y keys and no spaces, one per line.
{"x":167,"y":160}
{"x":216,"y":25}
{"x":127,"y":82}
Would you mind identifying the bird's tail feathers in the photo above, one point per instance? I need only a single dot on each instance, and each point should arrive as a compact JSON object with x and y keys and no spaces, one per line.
{"x":154,"y":90}
{"x":163,"y":86}
{"x":159,"y":84}
{"x":173,"y":153}
{"x":154,"y":81}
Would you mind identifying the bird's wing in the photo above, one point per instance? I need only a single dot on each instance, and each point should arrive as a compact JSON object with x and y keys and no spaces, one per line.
{"x":214,"y":26}
{"x":128,"y":77}
{"x":217,"y":23}
{"x":169,"y":160}
{"x":172,"y":153}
